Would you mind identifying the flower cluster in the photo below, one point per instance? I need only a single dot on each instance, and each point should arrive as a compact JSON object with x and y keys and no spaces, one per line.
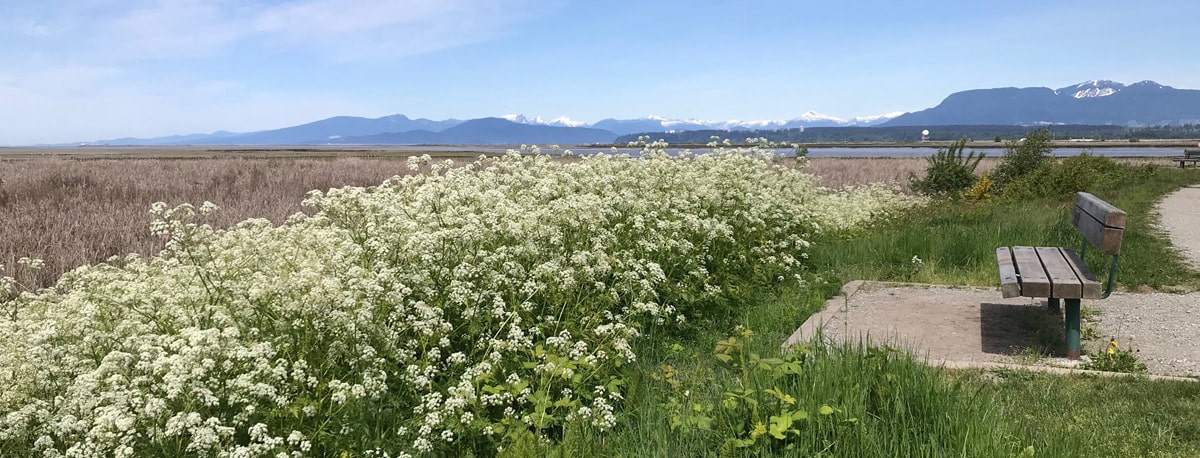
{"x":453,"y":309}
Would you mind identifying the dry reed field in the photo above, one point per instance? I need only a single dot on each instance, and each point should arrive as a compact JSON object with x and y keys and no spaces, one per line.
{"x":839,"y":173}
{"x":70,"y":212}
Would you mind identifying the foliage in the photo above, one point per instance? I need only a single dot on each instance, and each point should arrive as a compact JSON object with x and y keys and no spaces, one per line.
{"x":452,"y":312}
{"x":982,"y":190}
{"x":968,"y":234}
{"x":754,"y":411}
{"x":1063,"y":179}
{"x":949,"y":172}
{"x":1116,"y":359}
{"x":1022,"y":157}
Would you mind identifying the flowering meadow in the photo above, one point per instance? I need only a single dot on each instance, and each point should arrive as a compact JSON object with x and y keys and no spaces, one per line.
{"x":455,"y":310}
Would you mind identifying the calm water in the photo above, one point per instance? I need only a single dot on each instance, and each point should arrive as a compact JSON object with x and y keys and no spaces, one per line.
{"x":812,"y":152}
{"x":586,"y":151}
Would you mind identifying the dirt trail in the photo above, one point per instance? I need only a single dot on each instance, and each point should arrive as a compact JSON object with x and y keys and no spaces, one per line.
{"x":1180,"y":217}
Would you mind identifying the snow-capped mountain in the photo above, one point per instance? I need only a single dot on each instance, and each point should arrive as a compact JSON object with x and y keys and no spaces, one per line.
{"x":655,"y":123}
{"x":1094,"y":102}
{"x":1093,"y":88}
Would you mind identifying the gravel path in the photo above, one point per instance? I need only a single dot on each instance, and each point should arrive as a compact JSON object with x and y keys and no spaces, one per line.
{"x":1164,"y":328}
{"x":1180,"y":213}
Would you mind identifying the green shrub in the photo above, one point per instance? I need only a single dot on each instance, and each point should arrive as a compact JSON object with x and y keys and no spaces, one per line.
{"x":1080,"y":173}
{"x":1023,"y":157}
{"x":949,"y":172}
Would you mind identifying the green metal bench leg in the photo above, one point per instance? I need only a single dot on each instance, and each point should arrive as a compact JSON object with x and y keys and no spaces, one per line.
{"x":1052,"y":305}
{"x":1072,"y":320}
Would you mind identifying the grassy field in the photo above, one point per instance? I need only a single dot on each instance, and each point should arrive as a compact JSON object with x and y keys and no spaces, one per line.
{"x":968,"y":232}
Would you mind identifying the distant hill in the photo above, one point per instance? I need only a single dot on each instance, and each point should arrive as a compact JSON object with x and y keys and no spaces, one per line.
{"x":318,"y":131}
{"x":489,"y":131}
{"x":996,"y":111}
{"x":1097,"y":102}
{"x":886,"y":134}
{"x":510,"y":129}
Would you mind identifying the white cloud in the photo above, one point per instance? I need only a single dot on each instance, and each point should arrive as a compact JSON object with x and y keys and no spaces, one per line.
{"x":357,"y":29}
{"x":171,"y":29}
{"x":335,"y":29}
{"x":79,"y":103}
{"x":77,"y":70}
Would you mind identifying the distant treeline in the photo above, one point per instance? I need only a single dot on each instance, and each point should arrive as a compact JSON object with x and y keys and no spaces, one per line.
{"x":912,"y":133}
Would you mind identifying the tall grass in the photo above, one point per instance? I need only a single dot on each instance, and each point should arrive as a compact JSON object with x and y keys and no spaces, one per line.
{"x":956,"y":240}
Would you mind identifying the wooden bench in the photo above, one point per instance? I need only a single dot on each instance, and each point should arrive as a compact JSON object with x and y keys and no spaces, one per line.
{"x":1059,"y":273}
{"x":1189,"y":155}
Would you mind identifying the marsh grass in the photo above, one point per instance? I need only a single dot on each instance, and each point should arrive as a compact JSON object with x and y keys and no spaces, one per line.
{"x":71,"y":213}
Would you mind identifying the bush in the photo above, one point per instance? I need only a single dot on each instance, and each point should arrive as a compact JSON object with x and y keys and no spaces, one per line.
{"x":982,"y":189}
{"x":1080,"y":173}
{"x":949,"y":172}
{"x":1022,"y":157}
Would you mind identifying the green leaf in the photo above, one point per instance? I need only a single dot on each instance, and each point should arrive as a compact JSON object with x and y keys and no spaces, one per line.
{"x":825,"y":410}
{"x":787,"y":398}
{"x":741,"y":443}
{"x":780,"y":424}
{"x":789,"y":368}
{"x":492,"y":389}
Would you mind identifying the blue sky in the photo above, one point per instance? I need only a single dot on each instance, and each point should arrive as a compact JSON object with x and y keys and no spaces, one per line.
{"x":76,"y":70}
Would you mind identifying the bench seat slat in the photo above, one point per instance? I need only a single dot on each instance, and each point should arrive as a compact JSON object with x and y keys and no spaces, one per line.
{"x":1064,"y":281}
{"x":1091,"y":287}
{"x":1010,"y":285}
{"x":1034,"y":282}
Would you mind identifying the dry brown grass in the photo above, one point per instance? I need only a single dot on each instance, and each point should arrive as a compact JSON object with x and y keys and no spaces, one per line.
{"x":70,"y":212}
{"x":839,"y":173}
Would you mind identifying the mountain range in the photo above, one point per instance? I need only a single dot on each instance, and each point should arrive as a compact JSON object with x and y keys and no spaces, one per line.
{"x":1097,"y":102}
{"x":507,"y":129}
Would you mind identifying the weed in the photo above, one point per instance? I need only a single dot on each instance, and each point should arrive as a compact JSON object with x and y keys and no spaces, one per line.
{"x":949,"y":172}
{"x":1116,"y":359}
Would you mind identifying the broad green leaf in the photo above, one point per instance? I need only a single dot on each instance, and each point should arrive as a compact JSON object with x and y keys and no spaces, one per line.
{"x":780,"y":424}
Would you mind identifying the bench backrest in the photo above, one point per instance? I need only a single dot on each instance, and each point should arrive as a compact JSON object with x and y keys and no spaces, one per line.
{"x":1191,"y":153}
{"x":1101,"y":224}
